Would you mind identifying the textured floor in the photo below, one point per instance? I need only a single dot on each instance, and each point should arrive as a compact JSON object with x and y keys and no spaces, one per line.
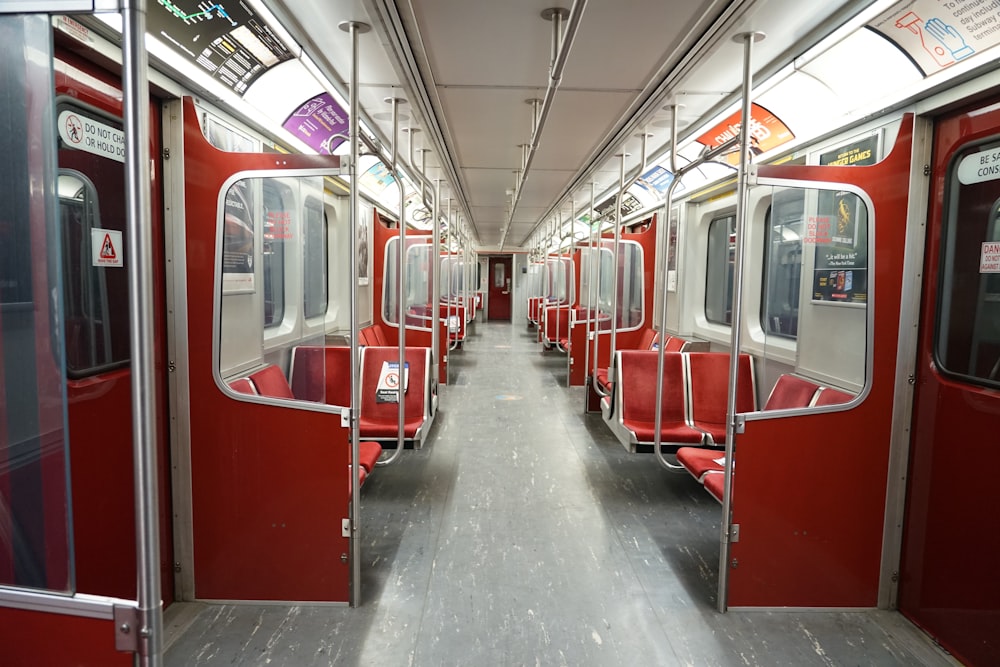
{"x":524,"y":534}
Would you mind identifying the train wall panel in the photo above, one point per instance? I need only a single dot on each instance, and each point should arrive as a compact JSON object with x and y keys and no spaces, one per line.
{"x":33,"y":638}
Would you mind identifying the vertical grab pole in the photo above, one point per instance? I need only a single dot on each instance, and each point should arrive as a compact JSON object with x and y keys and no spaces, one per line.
{"x":355,"y":28}
{"x":748,"y":38}
{"x":437,"y":306}
{"x":135,"y":85}
{"x":436,"y":282}
{"x":614,"y":282}
{"x":399,"y":286}
{"x":591,"y":312}
{"x":658,"y":422}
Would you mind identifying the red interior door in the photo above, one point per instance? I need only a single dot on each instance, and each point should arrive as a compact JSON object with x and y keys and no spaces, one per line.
{"x":949,"y":584}
{"x":500,"y":286}
{"x":269,"y":484}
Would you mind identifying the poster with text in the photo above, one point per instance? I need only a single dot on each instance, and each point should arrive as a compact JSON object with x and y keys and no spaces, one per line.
{"x":318,"y":122}
{"x":839,"y":231}
{"x":766,"y":132}
{"x":238,"y":240}
{"x":936,"y":34}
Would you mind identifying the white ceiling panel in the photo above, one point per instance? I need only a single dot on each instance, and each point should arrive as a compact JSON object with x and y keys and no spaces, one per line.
{"x":476,"y":43}
{"x":577,"y":121}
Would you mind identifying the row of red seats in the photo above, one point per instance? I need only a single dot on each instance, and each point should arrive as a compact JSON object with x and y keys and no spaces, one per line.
{"x":650,"y":341}
{"x":694,"y":399}
{"x":789,"y":392}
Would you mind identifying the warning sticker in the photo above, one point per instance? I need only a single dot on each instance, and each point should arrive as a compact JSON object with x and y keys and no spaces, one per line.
{"x":106,"y":247}
{"x":86,"y":134}
{"x":387,"y":390}
{"x":989,"y":259}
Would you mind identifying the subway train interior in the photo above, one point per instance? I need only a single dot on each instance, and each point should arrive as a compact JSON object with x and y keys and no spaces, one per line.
{"x":435,"y":332}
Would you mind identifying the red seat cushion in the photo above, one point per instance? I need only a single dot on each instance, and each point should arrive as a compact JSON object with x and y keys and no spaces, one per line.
{"x":368,"y":453}
{"x":700,"y":461}
{"x":715,"y":483}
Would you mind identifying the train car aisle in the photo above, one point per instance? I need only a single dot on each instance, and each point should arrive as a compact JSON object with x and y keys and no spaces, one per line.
{"x":524,"y":534}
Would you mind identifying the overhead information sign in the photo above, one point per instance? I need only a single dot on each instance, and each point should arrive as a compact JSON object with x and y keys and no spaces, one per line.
{"x":225,"y":39}
{"x":936,"y":34}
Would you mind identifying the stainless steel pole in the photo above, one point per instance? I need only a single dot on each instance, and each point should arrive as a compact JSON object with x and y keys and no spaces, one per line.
{"x":355,"y":28}
{"x":135,"y":89}
{"x":748,"y":40}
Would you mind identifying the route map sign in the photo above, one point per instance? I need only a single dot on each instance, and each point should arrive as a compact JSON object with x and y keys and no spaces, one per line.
{"x":226,"y":39}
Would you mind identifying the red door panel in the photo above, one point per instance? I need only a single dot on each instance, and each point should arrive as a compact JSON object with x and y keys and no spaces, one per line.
{"x":269,"y":484}
{"x":500,"y":288}
{"x":948,"y":580}
{"x":810,"y":493}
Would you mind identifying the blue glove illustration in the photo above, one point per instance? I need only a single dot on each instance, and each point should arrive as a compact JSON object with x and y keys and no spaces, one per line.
{"x":949,"y":38}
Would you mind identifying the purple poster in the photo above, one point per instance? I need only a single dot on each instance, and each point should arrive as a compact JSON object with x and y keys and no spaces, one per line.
{"x":317,"y":121}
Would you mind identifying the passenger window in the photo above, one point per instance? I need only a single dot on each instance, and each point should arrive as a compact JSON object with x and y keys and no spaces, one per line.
{"x":968,"y":323}
{"x":417,"y":269}
{"x":315,"y":251}
{"x":779,"y":312}
{"x":720,"y":266}
{"x":277,"y":228}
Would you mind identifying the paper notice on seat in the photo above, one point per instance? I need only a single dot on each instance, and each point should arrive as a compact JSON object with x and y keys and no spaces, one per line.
{"x":387,"y":390}
{"x":720,"y":461}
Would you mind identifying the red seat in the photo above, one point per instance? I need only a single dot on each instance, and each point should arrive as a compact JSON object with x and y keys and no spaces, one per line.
{"x":270,"y":381}
{"x":243,"y":386}
{"x":708,"y":379}
{"x":632,"y":415}
{"x":379,"y":420}
{"x":715,"y":483}
{"x":699,"y":461}
{"x":831,"y":396}
{"x":791,"y":391}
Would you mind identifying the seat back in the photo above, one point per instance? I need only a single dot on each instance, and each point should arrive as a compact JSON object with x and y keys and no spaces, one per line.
{"x":708,"y":382}
{"x":791,"y":391}
{"x":243,"y":386}
{"x":375,"y":413}
{"x":637,"y":381}
{"x":831,"y":396}
{"x":270,"y":381}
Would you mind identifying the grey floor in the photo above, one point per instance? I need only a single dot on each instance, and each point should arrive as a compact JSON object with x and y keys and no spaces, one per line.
{"x":524,"y":534}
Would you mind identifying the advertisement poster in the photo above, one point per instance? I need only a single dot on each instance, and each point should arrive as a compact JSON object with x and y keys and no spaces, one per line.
{"x":225,"y":39}
{"x":936,"y":34}
{"x":606,"y":211}
{"x":856,"y":154}
{"x":840,"y":233}
{"x":766,"y":132}
{"x":656,"y":180}
{"x":238,"y":240}
{"x":317,"y":122}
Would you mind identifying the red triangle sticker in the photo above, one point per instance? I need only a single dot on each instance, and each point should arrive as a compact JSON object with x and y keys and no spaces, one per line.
{"x":108,"y":248}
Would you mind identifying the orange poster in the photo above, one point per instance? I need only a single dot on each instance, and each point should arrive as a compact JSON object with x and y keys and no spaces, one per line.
{"x":766,"y":132}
